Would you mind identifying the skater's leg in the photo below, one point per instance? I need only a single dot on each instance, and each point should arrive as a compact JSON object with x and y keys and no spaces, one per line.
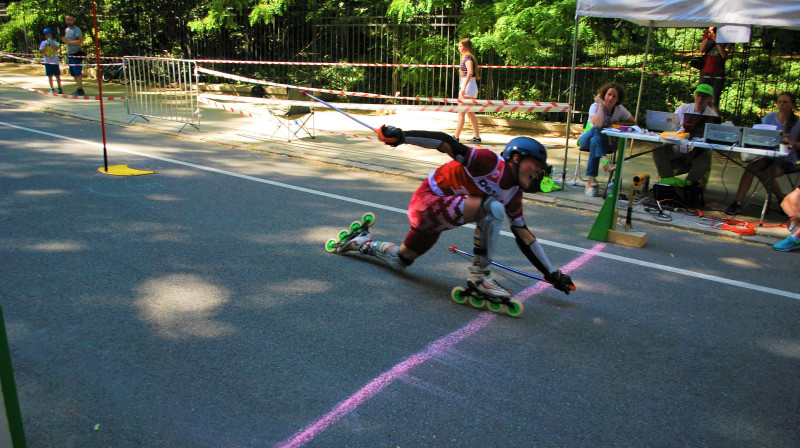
{"x":399,"y":257}
{"x":488,"y":216}
{"x":395,"y":256}
{"x":383,"y":250}
{"x":488,"y":219}
{"x":415,"y":244}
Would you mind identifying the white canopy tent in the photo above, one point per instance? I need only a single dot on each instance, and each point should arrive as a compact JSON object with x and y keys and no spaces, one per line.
{"x":681,"y":14}
{"x":694,"y":13}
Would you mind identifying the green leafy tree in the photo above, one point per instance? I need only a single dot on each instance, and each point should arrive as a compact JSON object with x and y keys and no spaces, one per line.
{"x":504,"y":32}
{"x":26,"y":20}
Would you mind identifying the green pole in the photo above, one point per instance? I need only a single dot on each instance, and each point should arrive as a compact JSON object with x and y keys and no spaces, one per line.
{"x":605,"y":219}
{"x":10,"y":400}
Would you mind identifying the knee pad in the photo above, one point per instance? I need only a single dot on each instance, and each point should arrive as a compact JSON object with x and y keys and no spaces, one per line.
{"x":490,"y":208}
{"x":488,"y":219}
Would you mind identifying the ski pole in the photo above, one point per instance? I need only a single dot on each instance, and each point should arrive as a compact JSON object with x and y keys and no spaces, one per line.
{"x":455,"y":249}
{"x":339,"y":110}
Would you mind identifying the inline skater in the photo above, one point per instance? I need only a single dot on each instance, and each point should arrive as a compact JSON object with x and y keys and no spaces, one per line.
{"x":477,"y":186}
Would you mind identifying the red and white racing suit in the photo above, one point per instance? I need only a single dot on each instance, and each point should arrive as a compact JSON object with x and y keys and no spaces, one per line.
{"x":438,"y":204}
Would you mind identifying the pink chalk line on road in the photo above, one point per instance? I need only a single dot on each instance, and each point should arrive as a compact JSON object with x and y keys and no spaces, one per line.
{"x":437,"y":347}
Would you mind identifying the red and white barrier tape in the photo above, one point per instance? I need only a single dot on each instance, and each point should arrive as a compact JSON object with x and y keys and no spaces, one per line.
{"x":358,"y":64}
{"x":695,"y":75}
{"x":247,"y":113}
{"x":75,"y":97}
{"x":35,"y":61}
{"x":375,"y":64}
{"x":546,"y":107}
{"x":14,"y":55}
{"x":402,"y":107}
{"x":369,"y":64}
{"x":367,"y":137}
{"x":202,"y":99}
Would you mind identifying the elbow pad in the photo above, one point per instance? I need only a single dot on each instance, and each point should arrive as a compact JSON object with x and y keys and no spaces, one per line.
{"x":535,"y":254}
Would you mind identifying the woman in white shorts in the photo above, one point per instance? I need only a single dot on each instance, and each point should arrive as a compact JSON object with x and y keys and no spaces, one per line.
{"x":468,"y":88}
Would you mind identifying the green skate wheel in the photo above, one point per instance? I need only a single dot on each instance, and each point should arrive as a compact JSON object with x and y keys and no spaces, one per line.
{"x":368,"y":219}
{"x":514,"y":309}
{"x":458,"y":296}
{"x":343,"y":235}
{"x":494,"y":307}
{"x":476,"y":302}
{"x":330,"y":246}
{"x":355,"y":227}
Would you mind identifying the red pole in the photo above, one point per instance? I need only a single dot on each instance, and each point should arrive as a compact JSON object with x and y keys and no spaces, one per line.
{"x":100,"y":85}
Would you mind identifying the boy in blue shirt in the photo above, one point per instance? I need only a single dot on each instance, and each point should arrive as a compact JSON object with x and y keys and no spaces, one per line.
{"x":49,"y":50}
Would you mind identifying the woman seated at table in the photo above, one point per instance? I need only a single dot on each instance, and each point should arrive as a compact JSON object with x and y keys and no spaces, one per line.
{"x":787,"y":121}
{"x":606,"y":111}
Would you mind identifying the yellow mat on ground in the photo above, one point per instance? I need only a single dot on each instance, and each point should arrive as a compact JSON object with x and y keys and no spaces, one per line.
{"x":123,"y":170}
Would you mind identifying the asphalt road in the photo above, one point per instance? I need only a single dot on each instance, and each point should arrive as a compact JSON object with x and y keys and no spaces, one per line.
{"x":197,"y":307}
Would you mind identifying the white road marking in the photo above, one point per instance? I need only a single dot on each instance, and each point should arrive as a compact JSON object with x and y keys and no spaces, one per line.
{"x":372,"y":205}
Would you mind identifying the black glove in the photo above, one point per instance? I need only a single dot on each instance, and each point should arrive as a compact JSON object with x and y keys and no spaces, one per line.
{"x":391,"y":135}
{"x":561,"y":282}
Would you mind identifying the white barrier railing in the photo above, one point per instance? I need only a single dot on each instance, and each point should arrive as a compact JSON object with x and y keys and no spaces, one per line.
{"x":162,"y":88}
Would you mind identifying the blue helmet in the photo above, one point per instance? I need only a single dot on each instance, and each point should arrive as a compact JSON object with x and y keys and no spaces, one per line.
{"x":525,"y":147}
{"x":47,"y":31}
{"x":528,"y":147}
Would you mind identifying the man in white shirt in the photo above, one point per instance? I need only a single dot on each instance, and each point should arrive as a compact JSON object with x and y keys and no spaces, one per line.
{"x":670,"y":161}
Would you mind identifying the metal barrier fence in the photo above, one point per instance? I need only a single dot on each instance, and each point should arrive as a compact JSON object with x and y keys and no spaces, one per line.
{"x":162,"y":88}
{"x":756,"y":71}
{"x":608,"y":50}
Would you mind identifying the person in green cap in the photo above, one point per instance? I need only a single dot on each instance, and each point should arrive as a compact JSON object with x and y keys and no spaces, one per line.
{"x":670,"y":161}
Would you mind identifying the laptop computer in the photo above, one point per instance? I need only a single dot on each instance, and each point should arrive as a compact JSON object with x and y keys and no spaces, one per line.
{"x":695,"y":124}
{"x":662,"y":121}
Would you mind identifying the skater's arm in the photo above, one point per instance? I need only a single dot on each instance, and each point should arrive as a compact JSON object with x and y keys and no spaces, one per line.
{"x":534,"y":251}
{"x":439,"y":141}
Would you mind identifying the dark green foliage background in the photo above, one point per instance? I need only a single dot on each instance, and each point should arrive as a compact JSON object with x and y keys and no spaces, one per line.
{"x":535,"y":33}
